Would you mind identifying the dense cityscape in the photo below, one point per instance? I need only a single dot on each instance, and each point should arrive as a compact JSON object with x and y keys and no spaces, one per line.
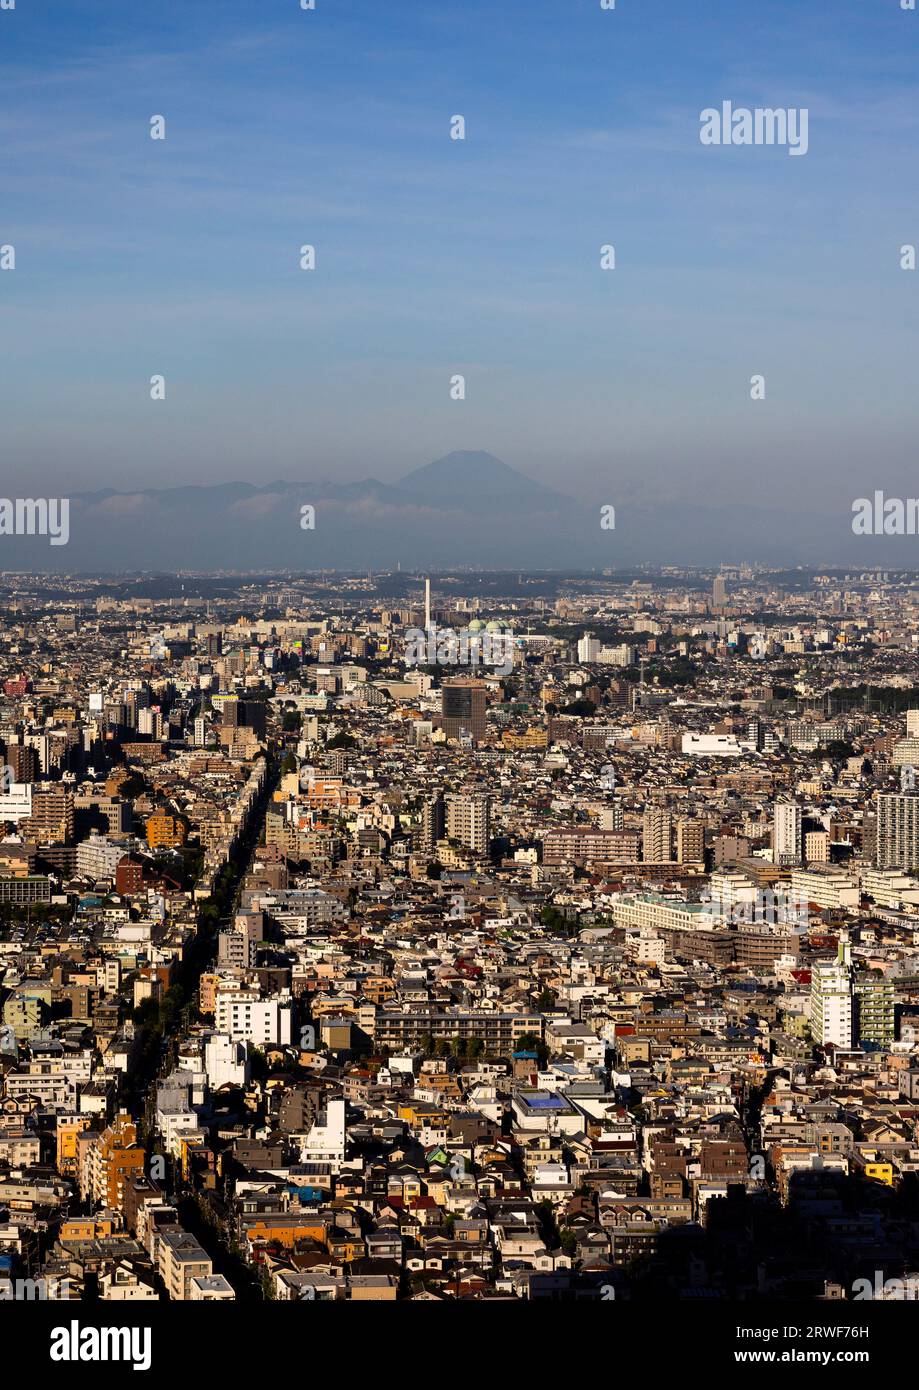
{"x":459,"y":685}
{"x":460,"y":937}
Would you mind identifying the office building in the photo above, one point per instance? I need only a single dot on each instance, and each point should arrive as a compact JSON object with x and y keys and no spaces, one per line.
{"x":462,"y":710}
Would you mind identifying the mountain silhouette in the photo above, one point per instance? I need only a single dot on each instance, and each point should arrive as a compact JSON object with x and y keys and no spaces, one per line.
{"x":473,"y":476}
{"x":466,"y":508}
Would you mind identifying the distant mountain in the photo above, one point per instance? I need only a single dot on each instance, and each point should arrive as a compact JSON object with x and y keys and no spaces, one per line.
{"x":467,"y":508}
{"x":473,"y":477}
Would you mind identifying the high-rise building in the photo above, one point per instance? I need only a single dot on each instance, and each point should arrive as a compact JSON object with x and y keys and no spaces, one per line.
{"x":150,"y":721}
{"x":462,"y":709}
{"x":831,"y":1000}
{"x":657,"y":836}
{"x":786,"y":834}
{"x":912,"y":723}
{"x":690,"y":841}
{"x":468,"y":819}
{"x":51,"y":819}
{"x":817,"y":847}
{"x":870,"y":836}
{"x":107,"y":1160}
{"x":897,"y":831}
{"x":23,"y":762}
{"x":433,"y":822}
{"x":589,"y":648}
{"x":874,"y":1009}
{"x":719,"y":593}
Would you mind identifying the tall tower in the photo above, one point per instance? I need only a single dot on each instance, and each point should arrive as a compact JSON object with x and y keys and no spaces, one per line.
{"x":427,"y":605}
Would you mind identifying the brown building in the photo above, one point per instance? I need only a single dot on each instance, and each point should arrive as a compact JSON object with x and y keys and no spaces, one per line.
{"x":23,"y":762}
{"x":129,"y":876}
{"x":690,"y":841}
{"x":107,"y":1161}
{"x":51,"y":821}
{"x":582,"y":845}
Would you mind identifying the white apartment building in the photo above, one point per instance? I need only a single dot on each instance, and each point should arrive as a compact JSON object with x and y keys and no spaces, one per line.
{"x":99,"y":857}
{"x":589,"y":648}
{"x":905,"y":753}
{"x":786,"y":833}
{"x":645,"y":948}
{"x":248,"y":1018}
{"x":16,"y":804}
{"x":325,"y":1142}
{"x":831,"y":1001}
{"x":225,"y":1061}
{"x":827,"y":885}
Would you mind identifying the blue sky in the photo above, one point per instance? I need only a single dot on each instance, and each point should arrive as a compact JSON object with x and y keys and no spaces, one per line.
{"x":481,"y":257}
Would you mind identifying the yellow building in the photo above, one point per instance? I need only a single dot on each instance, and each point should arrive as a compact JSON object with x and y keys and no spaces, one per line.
{"x":165,"y":831}
{"x":533,"y":738}
{"x":879,"y":1171}
{"x":99,"y":1227}
{"x":207,"y":993}
{"x":68,"y":1128}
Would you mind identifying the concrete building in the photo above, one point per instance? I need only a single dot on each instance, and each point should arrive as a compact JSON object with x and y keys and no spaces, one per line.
{"x":786,"y":834}
{"x":831,"y":1001}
